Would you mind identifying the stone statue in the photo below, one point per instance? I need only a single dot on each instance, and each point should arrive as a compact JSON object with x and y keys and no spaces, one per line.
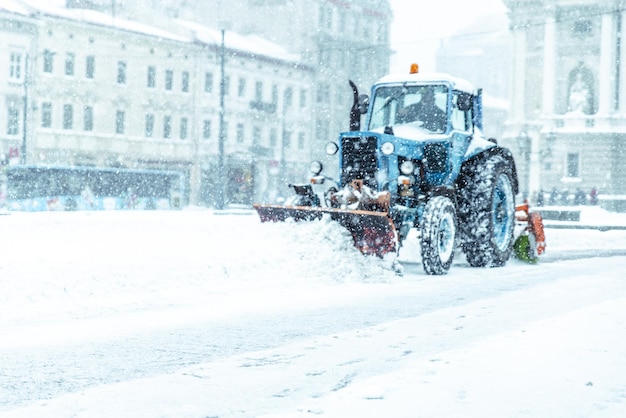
{"x":579,"y":95}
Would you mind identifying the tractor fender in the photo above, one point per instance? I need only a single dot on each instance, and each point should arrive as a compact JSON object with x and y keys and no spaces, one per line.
{"x":489,"y":152}
{"x":444,"y":191}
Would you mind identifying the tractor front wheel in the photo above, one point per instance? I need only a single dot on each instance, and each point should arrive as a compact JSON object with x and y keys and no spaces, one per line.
{"x":437,"y":235}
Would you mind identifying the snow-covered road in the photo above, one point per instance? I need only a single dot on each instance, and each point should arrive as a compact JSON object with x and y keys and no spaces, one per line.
{"x":191,"y":314}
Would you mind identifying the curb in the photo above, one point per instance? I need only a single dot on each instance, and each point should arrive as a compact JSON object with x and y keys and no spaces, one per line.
{"x":578,"y":226}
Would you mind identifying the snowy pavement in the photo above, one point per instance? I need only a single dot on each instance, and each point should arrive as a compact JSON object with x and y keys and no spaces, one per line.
{"x":544,"y":340}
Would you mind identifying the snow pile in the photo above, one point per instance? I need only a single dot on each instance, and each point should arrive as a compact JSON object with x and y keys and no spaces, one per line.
{"x":80,"y":264}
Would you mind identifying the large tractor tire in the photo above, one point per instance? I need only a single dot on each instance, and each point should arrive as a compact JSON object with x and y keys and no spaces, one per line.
{"x":437,"y":235}
{"x":487,"y":211}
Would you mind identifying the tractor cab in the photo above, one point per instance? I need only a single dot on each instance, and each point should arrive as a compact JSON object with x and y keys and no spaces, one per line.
{"x":423,"y":105}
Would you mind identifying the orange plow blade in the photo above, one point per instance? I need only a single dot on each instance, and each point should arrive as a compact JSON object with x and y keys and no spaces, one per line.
{"x":373,"y":232}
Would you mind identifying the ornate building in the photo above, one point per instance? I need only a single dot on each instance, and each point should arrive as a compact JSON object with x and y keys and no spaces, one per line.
{"x":567,"y":120}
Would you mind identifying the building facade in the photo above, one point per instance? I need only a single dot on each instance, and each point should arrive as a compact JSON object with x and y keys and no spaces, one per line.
{"x":567,"y":120}
{"x":85,"y":88}
{"x":481,"y":53}
{"x":340,"y":39}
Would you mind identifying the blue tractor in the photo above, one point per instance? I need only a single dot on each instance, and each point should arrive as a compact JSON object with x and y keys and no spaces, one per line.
{"x":422,"y":162}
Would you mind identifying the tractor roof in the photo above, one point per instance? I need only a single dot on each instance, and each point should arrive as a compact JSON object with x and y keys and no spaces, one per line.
{"x":430,"y":78}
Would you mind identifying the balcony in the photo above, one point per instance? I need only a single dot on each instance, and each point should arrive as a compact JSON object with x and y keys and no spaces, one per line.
{"x":263,"y":106}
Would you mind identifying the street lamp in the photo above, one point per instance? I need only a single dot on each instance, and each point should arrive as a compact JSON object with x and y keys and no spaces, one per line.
{"x":546,"y":153}
{"x":283,"y":142}
{"x":23,"y":146}
{"x":524,"y":146}
{"x":219,"y":204}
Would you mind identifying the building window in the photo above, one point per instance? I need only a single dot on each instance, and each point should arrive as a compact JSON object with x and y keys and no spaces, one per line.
{"x":183,"y":128}
{"x":169,"y":79}
{"x":273,"y":138}
{"x":240,"y":132}
{"x":241,"y":89}
{"x":151,"y":77}
{"x":69,"y":64}
{"x":88,"y":118}
{"x":226,"y":85}
{"x":15,"y":66}
{"x":582,"y":27}
{"x":48,"y":61}
{"x":208,"y":82}
{"x":120,"y":115}
{"x":258,"y":91}
{"x":46,"y":115}
{"x":68,"y":116}
{"x":167,"y":127}
{"x":288,"y":96}
{"x":256,"y":136}
{"x":322,"y":128}
{"x":325,"y":17}
{"x":149,"y":125}
{"x":301,"y":140}
{"x":342,"y":21}
{"x":225,"y":131}
{"x":185,"y":81}
{"x":287,"y":139}
{"x":206,"y":129}
{"x":339,"y":95}
{"x":13,"y":121}
{"x":303,"y":95}
{"x":573,"y":165}
{"x":90,"y":66}
{"x":323,"y":93}
{"x":121,"y":72}
{"x":274,"y":94}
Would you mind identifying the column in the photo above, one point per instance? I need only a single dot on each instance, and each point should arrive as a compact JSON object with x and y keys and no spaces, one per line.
{"x":518,"y":81}
{"x":534,"y":176}
{"x":622,"y":65}
{"x":606,"y":75}
{"x":549,"y":58}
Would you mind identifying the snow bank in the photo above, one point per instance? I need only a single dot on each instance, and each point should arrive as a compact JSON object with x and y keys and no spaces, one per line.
{"x":64,"y":265}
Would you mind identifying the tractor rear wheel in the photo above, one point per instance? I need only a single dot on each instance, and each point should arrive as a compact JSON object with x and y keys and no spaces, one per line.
{"x":487,"y":212}
{"x":437,"y":235}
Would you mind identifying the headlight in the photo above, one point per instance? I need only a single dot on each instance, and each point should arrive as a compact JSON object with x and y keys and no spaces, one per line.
{"x":387,"y":148}
{"x":407,"y":167}
{"x":332,"y":148}
{"x":315,"y":167}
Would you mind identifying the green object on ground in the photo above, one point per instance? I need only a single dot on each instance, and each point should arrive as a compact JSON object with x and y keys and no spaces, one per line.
{"x":523,"y":250}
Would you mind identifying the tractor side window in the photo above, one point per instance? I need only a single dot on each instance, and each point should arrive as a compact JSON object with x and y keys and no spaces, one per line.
{"x":385,"y":105}
{"x":461,"y":119}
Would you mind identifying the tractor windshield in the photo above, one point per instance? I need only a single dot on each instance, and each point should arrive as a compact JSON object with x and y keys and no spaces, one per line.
{"x":424,"y":106}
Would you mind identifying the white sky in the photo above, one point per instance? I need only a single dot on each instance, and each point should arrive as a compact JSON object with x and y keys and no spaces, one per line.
{"x":419,"y":26}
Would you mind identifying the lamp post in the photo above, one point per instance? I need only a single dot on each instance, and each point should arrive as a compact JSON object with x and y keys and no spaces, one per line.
{"x":222,"y":137}
{"x":23,"y":146}
{"x":283,"y":142}
{"x":523,"y":144}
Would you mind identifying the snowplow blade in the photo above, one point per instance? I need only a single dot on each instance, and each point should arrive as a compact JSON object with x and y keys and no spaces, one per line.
{"x":373,"y":232}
